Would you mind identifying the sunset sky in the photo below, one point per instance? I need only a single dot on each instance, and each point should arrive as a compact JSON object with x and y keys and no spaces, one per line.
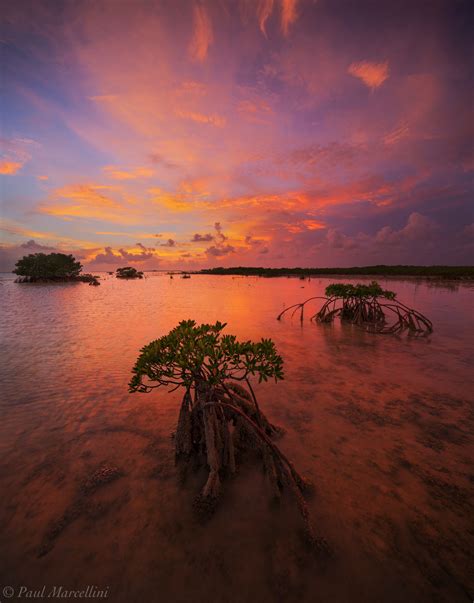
{"x":185,"y":134}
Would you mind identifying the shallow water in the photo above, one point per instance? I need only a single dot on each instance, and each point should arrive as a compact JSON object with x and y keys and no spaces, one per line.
{"x":384,"y":426}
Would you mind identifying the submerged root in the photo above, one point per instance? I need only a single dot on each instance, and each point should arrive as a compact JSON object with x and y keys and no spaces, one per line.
{"x":183,"y":436}
{"x":248,"y":404}
{"x":219,"y":426}
{"x":369,"y":313}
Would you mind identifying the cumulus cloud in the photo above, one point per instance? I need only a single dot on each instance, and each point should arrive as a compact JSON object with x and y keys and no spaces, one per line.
{"x":219,"y":251}
{"x":169,"y":243}
{"x":338,"y":240}
{"x":418,"y":228}
{"x":109,"y":256}
{"x":387,"y":245}
{"x":220,"y":247}
{"x":219,"y":236}
{"x":372,"y":74}
{"x":198,"y":238}
{"x":33,"y":247}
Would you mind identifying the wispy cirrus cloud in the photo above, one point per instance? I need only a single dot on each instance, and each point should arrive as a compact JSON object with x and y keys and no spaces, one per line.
{"x":201,"y":118}
{"x":264,"y":11}
{"x":87,"y":201}
{"x":288,"y":14}
{"x":202,"y":33}
{"x":127,"y":174}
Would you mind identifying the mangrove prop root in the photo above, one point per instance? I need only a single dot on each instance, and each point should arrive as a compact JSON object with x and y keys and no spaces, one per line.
{"x":387,"y":316}
{"x":222,"y":421}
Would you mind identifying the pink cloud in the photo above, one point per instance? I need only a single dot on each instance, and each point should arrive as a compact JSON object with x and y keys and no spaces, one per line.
{"x":202,"y":34}
{"x":288,"y":14}
{"x":372,"y":74}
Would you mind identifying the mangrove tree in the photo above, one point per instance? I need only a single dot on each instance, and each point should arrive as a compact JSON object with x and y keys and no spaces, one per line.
{"x":367,"y":306}
{"x":220,"y":417}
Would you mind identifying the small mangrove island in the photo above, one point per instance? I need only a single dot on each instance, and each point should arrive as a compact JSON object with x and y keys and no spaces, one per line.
{"x":365,"y":306}
{"x":128,"y":273}
{"x":51,"y":267}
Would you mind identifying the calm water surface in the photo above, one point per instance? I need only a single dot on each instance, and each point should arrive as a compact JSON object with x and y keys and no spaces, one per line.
{"x":382,"y":425}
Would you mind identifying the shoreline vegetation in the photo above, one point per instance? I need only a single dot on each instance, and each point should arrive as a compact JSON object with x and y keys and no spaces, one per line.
{"x":380,"y":270}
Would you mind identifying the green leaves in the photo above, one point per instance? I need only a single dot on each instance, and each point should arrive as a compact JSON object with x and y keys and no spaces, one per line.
{"x":48,"y":266}
{"x":190,"y":353}
{"x":359,"y":290}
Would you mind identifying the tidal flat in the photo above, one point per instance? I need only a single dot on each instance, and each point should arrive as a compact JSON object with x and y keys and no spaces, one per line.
{"x":382,"y":425}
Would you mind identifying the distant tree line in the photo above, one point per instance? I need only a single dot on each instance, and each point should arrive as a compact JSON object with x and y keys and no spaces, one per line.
{"x":449,"y":272}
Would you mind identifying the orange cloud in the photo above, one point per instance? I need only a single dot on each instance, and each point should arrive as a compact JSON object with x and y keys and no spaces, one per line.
{"x":10,"y":168}
{"x":43,"y":178}
{"x":87,"y":201}
{"x":288,"y":14}
{"x":13,"y":228}
{"x":133,"y":235}
{"x":372,"y":74}
{"x":202,"y":34}
{"x":198,"y":187}
{"x":303,"y":225}
{"x":88,"y":193}
{"x":120,"y":174}
{"x":175,"y":203}
{"x":201,"y":118}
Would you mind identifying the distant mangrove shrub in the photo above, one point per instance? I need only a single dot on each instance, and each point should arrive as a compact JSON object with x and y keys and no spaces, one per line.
{"x":128,"y":272}
{"x":220,"y":417}
{"x":368,"y":306}
{"x":51,"y":266}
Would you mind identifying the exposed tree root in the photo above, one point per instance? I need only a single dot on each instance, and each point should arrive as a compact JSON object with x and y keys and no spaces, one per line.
{"x":219,"y":423}
{"x":368,"y":307}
